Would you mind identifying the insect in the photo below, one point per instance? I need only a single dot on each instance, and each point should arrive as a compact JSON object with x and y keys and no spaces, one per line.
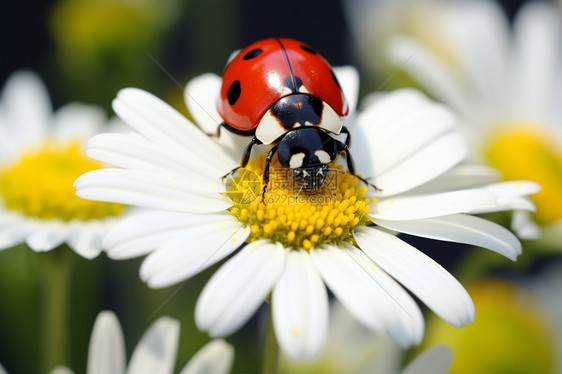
{"x":286,"y":94}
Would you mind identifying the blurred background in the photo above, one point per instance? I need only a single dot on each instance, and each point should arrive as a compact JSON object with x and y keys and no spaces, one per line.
{"x":86,"y":50}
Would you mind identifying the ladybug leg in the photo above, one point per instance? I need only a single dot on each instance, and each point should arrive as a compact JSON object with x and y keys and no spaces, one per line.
{"x":217,"y":134}
{"x":351,"y":165}
{"x":348,"y":138}
{"x":265,"y":179}
{"x":248,"y":151}
{"x":245,"y":156}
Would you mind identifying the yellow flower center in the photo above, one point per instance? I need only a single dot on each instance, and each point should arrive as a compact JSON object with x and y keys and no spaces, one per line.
{"x":522,"y":152}
{"x":40,"y":183}
{"x":293,"y":217}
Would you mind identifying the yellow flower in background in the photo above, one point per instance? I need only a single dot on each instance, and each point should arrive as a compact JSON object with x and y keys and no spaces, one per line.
{"x":93,"y":30}
{"x":504,"y":82}
{"x":41,"y":153}
{"x":101,"y":45}
{"x":513,"y":333}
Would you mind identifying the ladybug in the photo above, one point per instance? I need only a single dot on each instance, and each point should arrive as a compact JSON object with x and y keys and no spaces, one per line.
{"x":286,"y":94}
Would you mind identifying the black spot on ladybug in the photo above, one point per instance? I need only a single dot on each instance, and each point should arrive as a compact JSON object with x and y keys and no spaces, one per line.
{"x":335,"y":79}
{"x":253,"y":53}
{"x":298,"y":108}
{"x":290,"y":83}
{"x":234,"y":92}
{"x":308,"y":49}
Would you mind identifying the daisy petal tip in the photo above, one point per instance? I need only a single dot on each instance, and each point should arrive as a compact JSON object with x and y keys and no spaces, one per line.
{"x":168,"y":324}
{"x":128,"y":92}
{"x":106,"y":319}
{"x":88,"y":254}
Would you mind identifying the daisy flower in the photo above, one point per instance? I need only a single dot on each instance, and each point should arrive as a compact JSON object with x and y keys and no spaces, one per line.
{"x":505,"y":84}
{"x":41,"y":153}
{"x":342,"y":237}
{"x":350,"y":348}
{"x":155,"y":353}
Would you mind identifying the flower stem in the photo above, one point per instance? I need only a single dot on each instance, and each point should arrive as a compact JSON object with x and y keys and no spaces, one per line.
{"x":56,"y":269}
{"x":271,"y":353}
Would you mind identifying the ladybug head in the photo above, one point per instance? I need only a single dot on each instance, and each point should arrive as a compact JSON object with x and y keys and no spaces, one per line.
{"x":308,"y":151}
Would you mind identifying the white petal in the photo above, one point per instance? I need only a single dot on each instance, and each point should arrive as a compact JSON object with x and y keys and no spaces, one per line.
{"x":427,"y":69}
{"x":433,"y":205}
{"x":385,"y":123}
{"x":514,"y":188}
{"x":361,"y":296}
{"x":379,"y":109}
{"x":215,"y":357}
{"x":506,"y":203}
{"x":461,"y":228}
{"x":76,"y":121}
{"x":426,"y":279}
{"x":300,"y":308}
{"x":2,"y":370}
{"x":48,"y":237}
{"x":426,"y":164}
{"x":200,"y":96}
{"x":85,"y":239}
{"x":478,"y":32}
{"x":162,"y":124}
{"x":149,"y":190}
{"x":460,"y":177}
{"x":138,"y":153}
{"x":140,"y":234}
{"x":193,"y":251}
{"x":536,"y":60}
{"x":407,"y":327}
{"x":238,"y":288}
{"x":11,"y":235}
{"x":524,"y":227}
{"x":349,"y":81}
{"x":107,"y":347}
{"x":402,"y":162}
{"x":28,"y":106}
{"x":156,"y":352}
{"x":435,"y":360}
{"x":380,"y":114}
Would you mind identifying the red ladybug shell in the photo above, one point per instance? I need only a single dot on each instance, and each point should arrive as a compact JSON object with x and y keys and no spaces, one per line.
{"x":266,"y":71}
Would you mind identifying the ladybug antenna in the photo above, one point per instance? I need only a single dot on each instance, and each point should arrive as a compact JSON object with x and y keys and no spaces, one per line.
{"x":337,"y":171}
{"x":287,"y":180}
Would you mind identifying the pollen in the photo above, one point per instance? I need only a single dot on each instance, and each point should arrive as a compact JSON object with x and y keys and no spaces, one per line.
{"x":523,"y":152}
{"x":295,"y":218}
{"x":39,"y":184}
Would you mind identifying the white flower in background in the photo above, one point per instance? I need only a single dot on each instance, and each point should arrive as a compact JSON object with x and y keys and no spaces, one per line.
{"x":408,"y":144}
{"x":41,"y":153}
{"x":506,"y":84}
{"x":350,"y":348}
{"x":155,"y":353}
